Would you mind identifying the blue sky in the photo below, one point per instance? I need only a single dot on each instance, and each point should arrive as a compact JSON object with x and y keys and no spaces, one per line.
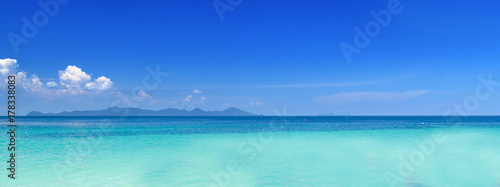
{"x":262,"y":55}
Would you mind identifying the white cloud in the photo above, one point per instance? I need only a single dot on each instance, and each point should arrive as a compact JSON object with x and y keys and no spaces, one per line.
{"x":73,"y":76}
{"x":188,"y":98}
{"x":31,"y":83}
{"x":73,"y":79}
{"x":51,"y":84}
{"x":101,"y":83}
{"x":203,"y":99}
{"x":34,"y":85}
{"x":8,"y":66}
{"x":196,"y":91}
{"x":370,"y":96}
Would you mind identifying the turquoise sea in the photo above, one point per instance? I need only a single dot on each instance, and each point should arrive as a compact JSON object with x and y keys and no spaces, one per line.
{"x":254,"y":151}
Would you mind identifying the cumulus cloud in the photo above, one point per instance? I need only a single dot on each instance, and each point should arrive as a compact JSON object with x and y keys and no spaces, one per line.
{"x":73,"y":76}
{"x":101,"y":83}
{"x":8,"y":67}
{"x":196,"y":91}
{"x":77,"y":81}
{"x":203,"y":99}
{"x":370,"y":96}
{"x":31,"y":83}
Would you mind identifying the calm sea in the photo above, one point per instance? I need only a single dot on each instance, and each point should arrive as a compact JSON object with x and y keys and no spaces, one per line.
{"x":254,"y":151}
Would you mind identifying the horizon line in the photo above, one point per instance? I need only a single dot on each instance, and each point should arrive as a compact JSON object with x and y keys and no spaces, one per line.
{"x":262,"y":115}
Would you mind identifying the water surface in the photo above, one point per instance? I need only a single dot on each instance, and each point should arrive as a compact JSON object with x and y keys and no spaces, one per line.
{"x":255,"y":151}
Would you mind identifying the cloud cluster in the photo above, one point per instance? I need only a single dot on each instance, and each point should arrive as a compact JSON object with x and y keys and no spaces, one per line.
{"x":72,"y":80}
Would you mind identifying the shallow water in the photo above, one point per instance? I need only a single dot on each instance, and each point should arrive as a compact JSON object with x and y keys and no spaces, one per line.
{"x":255,"y":151}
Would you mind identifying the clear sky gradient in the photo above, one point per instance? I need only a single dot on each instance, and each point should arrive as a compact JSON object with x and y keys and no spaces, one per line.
{"x":262,"y":55}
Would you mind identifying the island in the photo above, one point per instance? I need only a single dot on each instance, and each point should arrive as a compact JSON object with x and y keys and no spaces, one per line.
{"x":120,"y":111}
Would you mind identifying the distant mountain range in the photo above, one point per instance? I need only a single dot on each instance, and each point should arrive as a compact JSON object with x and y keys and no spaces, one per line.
{"x":119,"y":111}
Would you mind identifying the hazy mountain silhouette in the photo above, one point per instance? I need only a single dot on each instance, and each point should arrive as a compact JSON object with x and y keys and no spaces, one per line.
{"x":119,"y":111}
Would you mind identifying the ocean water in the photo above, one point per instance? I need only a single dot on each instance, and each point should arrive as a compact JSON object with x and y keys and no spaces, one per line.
{"x":254,"y":151}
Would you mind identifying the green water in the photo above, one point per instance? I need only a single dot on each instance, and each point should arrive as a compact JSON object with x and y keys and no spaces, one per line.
{"x":78,"y":153}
